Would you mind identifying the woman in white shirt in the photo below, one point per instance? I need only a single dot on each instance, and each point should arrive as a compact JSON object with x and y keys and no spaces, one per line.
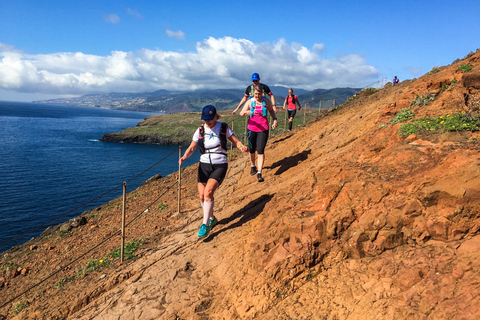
{"x":211,"y":138}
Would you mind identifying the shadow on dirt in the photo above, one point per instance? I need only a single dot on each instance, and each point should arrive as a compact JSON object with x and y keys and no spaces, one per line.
{"x":282,"y":139}
{"x":289,"y":162}
{"x":249,"y":212}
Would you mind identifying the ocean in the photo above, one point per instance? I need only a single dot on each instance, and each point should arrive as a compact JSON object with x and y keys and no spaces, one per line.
{"x":51,"y":162}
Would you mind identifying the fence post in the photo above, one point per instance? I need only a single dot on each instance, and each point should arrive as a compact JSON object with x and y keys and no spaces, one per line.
{"x":334,"y":102}
{"x":245,"y":133}
{"x":124,"y":202}
{"x":304,"y":113}
{"x":231,"y":143}
{"x":179,"y":177}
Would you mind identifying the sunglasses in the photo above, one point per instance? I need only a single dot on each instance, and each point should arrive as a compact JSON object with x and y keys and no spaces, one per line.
{"x":255,"y":80}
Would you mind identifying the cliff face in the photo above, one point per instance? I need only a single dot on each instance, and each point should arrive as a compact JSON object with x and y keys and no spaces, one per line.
{"x":353,"y":221}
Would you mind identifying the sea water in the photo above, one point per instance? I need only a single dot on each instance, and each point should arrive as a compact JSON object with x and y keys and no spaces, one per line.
{"x":51,"y":162}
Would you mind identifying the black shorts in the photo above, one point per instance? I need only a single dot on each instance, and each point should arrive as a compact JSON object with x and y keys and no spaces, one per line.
{"x":257,"y":141}
{"x":291,"y":113}
{"x":212,"y":171}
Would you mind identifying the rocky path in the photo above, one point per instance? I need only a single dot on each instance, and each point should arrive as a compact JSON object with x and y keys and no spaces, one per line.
{"x":353,"y":221}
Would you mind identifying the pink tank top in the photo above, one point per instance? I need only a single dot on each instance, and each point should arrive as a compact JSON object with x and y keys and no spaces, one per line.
{"x":258,"y":122}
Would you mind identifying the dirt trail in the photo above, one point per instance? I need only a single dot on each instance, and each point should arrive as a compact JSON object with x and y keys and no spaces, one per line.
{"x":353,"y":221}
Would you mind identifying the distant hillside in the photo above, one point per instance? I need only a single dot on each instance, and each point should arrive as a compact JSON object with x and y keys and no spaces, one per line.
{"x":340,"y":95}
{"x":192,"y":101}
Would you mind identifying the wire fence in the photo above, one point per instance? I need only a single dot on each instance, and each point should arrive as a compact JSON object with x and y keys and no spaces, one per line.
{"x":340,"y":99}
{"x":108,"y":238}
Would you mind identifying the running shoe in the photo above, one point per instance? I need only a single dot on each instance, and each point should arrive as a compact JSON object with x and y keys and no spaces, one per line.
{"x":253,"y":170}
{"x":259,"y":177}
{"x":203,"y":231}
{"x":212,"y":223}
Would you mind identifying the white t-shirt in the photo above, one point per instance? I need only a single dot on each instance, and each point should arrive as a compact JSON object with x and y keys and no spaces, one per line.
{"x":215,"y":155}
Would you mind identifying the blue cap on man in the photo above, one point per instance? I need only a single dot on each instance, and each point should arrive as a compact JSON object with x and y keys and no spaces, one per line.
{"x":208,"y":112}
{"x":255,"y":76}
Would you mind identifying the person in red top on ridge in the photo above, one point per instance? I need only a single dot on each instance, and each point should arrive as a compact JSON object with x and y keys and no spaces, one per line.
{"x":290,"y":102}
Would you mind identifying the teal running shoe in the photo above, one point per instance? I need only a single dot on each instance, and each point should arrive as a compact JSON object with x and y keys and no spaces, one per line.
{"x":212,"y":223}
{"x":203,"y":231}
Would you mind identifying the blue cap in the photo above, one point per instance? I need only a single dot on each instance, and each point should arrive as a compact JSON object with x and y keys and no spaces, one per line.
{"x":208,"y":112}
{"x":255,"y":76}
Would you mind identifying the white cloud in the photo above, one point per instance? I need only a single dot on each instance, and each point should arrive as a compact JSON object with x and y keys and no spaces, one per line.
{"x":134,"y":13}
{"x":180,"y":35}
{"x":216,"y":63}
{"x":318,"y":47}
{"x":414,"y":71}
{"x":112,"y":18}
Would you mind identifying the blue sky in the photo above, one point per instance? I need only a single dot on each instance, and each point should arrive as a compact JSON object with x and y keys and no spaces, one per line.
{"x":53,"y":48}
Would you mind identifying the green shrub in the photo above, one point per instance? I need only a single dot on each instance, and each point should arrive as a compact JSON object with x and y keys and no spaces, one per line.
{"x":162,"y":206}
{"x":457,"y":122}
{"x":407,"y":129}
{"x":433,"y":70}
{"x":402,"y":116}
{"x":94,"y":264}
{"x":445,"y":87}
{"x":461,"y":122}
{"x":465,"y":68}
{"x":423,"y":101}
{"x":62,"y":281}
{"x":19,"y":307}
{"x":129,"y":250}
{"x":428,"y":123}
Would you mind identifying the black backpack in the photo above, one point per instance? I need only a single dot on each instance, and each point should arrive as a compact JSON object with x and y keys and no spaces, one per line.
{"x":223,"y":138}
{"x":293,"y":99}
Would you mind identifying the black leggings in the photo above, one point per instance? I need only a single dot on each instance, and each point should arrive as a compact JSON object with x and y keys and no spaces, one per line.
{"x":257,"y":141}
{"x":291,"y":113}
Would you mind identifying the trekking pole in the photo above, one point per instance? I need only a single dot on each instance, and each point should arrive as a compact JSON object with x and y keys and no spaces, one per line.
{"x":285,"y":127}
{"x":320,"y":107}
{"x":124,"y":203}
{"x":179,"y":177}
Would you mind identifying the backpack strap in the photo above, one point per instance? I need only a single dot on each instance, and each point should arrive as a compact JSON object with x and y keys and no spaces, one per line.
{"x":201,"y":139}
{"x":264,"y":107}
{"x":222,"y":137}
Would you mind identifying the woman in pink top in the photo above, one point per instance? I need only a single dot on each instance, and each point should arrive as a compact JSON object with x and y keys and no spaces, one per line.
{"x":257,"y":130}
{"x":291,"y":103}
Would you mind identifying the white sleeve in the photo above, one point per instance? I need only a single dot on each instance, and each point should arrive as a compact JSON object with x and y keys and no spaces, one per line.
{"x":196,"y":135}
{"x":229,"y":131}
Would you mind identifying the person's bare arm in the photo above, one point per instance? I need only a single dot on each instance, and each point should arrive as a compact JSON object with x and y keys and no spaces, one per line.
{"x":193,"y":146}
{"x":239,"y":105}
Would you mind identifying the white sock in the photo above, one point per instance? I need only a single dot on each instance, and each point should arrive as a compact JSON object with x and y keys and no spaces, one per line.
{"x":207,"y":211}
